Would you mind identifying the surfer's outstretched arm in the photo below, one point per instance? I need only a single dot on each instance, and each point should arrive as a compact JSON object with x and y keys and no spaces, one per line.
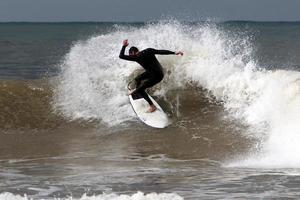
{"x":122,"y":52}
{"x":166,"y":52}
{"x":161,"y":52}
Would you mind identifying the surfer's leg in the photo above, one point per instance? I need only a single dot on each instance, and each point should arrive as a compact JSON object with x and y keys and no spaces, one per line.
{"x":147,"y":84}
{"x":141,"y":90}
{"x":146,"y":97}
{"x":152,"y":107}
{"x":140,"y":78}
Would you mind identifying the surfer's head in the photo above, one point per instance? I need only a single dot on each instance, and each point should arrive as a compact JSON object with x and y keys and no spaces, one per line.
{"x":133,"y":51}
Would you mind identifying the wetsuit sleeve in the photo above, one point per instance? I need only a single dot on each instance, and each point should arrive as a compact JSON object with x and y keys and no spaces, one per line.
{"x":125,"y":57}
{"x":162,"y":52}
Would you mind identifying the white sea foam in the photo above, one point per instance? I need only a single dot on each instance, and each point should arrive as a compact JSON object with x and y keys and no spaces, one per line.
{"x":8,"y":196}
{"x":136,"y":196}
{"x":93,"y":80}
{"x":93,"y":83}
{"x":279,"y":106}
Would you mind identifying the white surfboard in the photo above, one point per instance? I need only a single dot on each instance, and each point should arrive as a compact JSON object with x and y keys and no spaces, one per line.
{"x":156,"y":119}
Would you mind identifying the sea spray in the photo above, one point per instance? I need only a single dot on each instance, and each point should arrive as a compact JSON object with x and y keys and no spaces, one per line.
{"x":93,"y":82}
{"x":278,"y":105}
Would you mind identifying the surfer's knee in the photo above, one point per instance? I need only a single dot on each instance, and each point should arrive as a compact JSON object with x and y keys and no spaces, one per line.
{"x":137,"y":80}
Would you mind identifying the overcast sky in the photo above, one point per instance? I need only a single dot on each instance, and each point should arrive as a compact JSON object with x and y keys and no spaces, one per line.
{"x":144,"y":10}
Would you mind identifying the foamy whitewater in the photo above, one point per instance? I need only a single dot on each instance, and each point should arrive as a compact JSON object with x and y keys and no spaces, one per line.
{"x":93,"y":84}
{"x":136,"y":196}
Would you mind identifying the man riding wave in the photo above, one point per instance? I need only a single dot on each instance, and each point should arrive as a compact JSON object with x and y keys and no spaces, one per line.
{"x":153,"y":70}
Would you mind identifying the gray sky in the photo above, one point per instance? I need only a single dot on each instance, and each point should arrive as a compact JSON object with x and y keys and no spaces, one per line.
{"x":144,"y":10}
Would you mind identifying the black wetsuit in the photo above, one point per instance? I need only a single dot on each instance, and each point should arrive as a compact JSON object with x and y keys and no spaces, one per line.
{"x":153,"y":70}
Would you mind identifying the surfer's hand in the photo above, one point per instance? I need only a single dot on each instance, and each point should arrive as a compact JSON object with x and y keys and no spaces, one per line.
{"x":179,"y":53}
{"x":125,"y":43}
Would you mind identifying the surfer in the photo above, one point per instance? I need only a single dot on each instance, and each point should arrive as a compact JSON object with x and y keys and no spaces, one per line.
{"x":153,"y":70}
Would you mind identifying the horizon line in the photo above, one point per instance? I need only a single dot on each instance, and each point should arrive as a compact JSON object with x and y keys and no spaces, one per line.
{"x":194,"y":21}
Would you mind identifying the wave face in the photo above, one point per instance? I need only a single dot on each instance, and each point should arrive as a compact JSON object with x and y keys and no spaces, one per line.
{"x":27,"y":105}
{"x":93,"y":83}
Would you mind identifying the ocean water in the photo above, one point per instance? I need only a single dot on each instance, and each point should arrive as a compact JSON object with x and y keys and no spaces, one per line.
{"x":67,"y":130}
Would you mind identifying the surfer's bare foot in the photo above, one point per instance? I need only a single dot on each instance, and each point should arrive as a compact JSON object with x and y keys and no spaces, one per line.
{"x":151,"y":109}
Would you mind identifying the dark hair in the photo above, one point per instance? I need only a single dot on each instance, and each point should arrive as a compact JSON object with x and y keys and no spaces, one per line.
{"x":133,"y":49}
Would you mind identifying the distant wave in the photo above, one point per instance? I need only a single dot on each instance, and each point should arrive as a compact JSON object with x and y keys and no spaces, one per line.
{"x":136,"y":196}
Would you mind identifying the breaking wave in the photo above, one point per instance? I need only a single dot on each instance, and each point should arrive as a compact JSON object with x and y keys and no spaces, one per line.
{"x":93,"y":82}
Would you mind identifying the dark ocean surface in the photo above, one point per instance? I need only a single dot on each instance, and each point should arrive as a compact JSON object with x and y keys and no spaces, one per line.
{"x":67,"y":129}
